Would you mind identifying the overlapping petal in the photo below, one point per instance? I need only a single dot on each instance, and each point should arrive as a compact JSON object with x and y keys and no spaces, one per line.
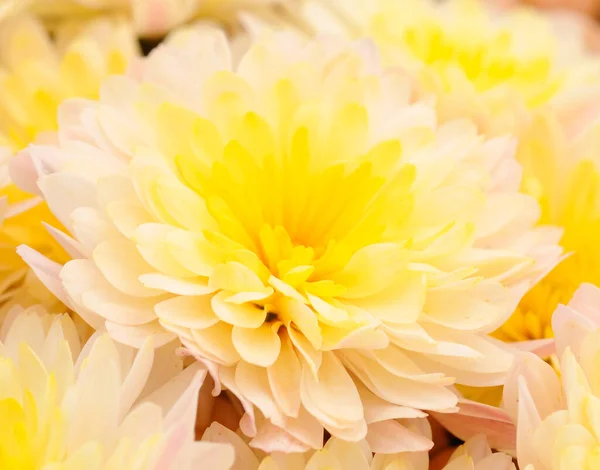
{"x":337,"y":454}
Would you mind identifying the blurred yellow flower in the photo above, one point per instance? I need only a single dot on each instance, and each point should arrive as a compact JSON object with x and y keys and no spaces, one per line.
{"x":562,"y":172}
{"x":306,"y":230}
{"x":148,"y":17}
{"x":68,"y":406}
{"x":494,"y":68}
{"x":36,"y":74}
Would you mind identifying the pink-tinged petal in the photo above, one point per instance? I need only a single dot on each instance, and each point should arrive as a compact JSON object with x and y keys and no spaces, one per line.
{"x":542,"y":381}
{"x":586,"y":300}
{"x":66,"y":192}
{"x":74,"y":248}
{"x":539,"y":347}
{"x":389,"y":437}
{"x":34,"y":162}
{"x":17,"y":208}
{"x":184,"y":409}
{"x":475,"y":418}
{"x":528,"y":421}
{"x":570,"y":327}
{"x":181,"y":419}
{"x":578,"y":109}
{"x":47,"y":271}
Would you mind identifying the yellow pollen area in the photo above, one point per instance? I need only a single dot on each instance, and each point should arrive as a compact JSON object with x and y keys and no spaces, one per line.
{"x":32,"y":428}
{"x":30,"y":93}
{"x":485,"y":54}
{"x":579,"y":216}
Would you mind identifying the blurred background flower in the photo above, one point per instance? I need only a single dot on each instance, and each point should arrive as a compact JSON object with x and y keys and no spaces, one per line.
{"x":70,"y":405}
{"x":37,"y":72}
{"x":149,"y":18}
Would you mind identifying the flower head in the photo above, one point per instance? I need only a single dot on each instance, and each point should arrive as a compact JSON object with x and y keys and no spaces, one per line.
{"x":305,"y":229}
{"x":67,"y":407}
{"x":561,"y":172}
{"x":492,"y":67}
{"x":36,"y":74}
{"x":557,"y":418}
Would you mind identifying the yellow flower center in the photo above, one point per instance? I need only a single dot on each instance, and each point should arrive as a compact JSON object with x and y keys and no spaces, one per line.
{"x":294,"y":208}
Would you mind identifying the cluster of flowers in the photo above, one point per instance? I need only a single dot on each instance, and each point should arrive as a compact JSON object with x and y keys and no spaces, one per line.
{"x":287,"y":234}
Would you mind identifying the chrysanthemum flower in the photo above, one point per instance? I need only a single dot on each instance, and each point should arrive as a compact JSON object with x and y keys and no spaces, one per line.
{"x":561,"y":171}
{"x":557,"y":419}
{"x":67,"y":407}
{"x":36,"y":74}
{"x":494,"y":68}
{"x":337,"y":454}
{"x":333,"y":254}
{"x":149,"y":17}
